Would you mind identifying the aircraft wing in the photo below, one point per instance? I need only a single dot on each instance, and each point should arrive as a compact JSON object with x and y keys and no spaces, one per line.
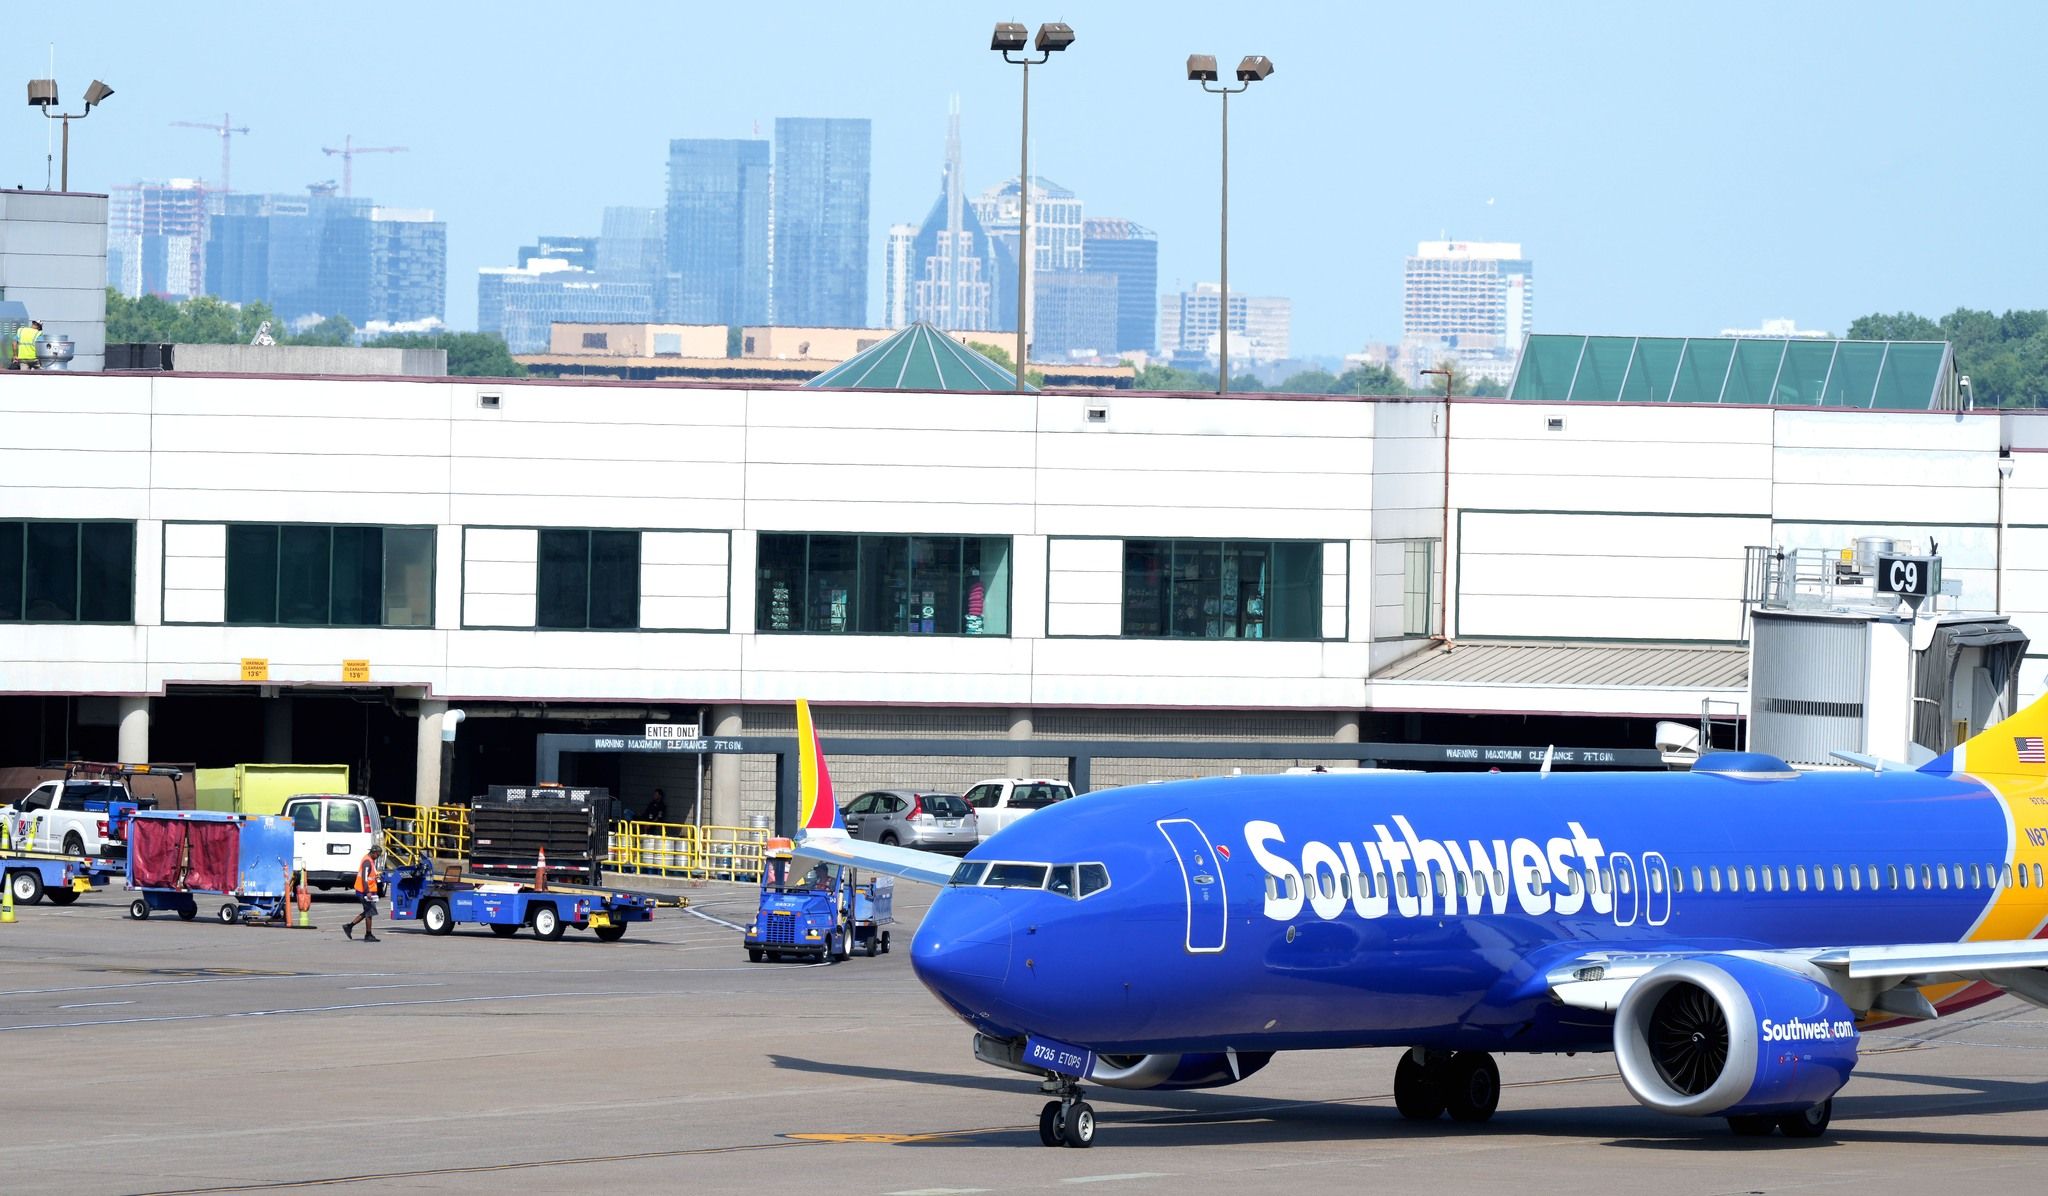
{"x":1866,"y":977}
{"x":924,"y":867}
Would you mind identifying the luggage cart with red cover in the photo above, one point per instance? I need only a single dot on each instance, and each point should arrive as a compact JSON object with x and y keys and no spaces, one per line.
{"x":235,"y":865}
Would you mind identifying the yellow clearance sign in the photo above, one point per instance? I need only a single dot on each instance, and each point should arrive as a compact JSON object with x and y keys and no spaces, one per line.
{"x":255,"y":668}
{"x":356,"y":671}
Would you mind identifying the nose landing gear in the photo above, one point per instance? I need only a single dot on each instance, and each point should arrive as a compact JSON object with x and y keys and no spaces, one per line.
{"x":1465,"y":1084}
{"x":1068,"y":1121}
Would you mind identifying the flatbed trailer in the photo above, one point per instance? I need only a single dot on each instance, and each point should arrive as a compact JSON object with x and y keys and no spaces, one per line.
{"x":441,"y":901}
{"x":34,"y":875}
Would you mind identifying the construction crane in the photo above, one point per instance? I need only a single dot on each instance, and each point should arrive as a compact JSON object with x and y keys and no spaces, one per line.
{"x":348,"y":151}
{"x":225,"y":130}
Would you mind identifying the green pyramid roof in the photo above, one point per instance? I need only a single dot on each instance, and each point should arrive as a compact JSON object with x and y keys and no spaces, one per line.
{"x":918,"y":358}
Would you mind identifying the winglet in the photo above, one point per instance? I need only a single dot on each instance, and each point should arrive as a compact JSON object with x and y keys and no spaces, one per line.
{"x":2016,"y":747}
{"x":819,"y":812}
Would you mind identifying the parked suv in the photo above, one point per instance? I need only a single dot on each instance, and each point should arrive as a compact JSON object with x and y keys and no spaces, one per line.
{"x":912,"y":818}
{"x":1000,"y":801}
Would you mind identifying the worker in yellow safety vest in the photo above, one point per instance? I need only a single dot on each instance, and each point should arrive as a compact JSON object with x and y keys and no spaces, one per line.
{"x":25,"y":338}
{"x":366,"y":892}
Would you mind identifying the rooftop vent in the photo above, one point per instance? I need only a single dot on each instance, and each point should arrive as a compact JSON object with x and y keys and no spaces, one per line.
{"x":1745,"y":766}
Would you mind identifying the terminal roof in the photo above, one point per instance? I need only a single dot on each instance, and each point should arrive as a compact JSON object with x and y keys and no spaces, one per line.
{"x":1647,"y":666}
{"x":918,"y":358}
{"x":1777,"y":372}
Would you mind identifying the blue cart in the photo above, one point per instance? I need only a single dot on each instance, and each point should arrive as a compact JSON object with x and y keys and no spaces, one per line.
{"x":439,"y":902}
{"x":34,"y":875}
{"x":237,"y":866}
{"x":827,"y":915}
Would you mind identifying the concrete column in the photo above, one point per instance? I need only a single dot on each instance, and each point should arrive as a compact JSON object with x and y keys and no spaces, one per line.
{"x":1347,"y":727}
{"x":426,"y":789}
{"x":1020,"y":728}
{"x":725,"y":769}
{"x":277,"y":729}
{"x":133,"y":744}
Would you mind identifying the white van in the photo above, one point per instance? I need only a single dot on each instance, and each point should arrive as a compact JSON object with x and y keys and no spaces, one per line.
{"x":330,"y":833}
{"x":1000,"y":801}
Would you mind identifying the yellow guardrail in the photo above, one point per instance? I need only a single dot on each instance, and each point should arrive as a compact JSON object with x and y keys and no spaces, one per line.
{"x":671,"y":849}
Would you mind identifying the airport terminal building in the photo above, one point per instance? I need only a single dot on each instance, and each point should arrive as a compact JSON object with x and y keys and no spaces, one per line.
{"x":224,"y":568}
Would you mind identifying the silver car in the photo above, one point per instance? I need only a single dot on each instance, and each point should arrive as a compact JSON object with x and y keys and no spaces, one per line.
{"x":913,"y":818}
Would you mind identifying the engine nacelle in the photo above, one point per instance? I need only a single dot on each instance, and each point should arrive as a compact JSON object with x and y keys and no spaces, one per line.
{"x":1720,"y":1035}
{"x":1202,"y":1070}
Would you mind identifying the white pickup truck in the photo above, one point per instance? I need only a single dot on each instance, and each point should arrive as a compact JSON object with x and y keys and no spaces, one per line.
{"x":81,"y":818}
{"x":1000,"y":801}
{"x":330,"y":833}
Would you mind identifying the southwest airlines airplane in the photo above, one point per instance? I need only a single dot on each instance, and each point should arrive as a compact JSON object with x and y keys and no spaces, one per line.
{"x":1729,"y":933}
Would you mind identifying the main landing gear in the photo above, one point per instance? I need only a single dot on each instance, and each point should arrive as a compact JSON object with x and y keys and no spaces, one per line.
{"x":1068,"y":1121}
{"x":1465,"y":1084}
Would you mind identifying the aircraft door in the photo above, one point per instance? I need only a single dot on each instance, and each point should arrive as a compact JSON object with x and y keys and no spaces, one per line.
{"x":1628,"y":897}
{"x":1657,"y":894}
{"x":1202,"y":877}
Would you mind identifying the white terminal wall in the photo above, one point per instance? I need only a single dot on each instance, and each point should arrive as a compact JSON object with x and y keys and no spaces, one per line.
{"x":1628,"y":523}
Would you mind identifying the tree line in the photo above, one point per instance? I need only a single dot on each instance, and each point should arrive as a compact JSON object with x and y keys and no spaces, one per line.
{"x":2005,"y":356}
{"x":1358,"y":380}
{"x":205,"y":320}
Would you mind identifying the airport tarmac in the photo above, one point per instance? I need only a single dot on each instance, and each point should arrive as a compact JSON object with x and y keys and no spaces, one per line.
{"x":166,"y":1056}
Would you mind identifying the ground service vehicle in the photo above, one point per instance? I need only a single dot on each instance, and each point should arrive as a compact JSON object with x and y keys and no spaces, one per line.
{"x":264,"y":788}
{"x":927,"y":821}
{"x":233,"y":865}
{"x":438,"y":901}
{"x":83,"y":814}
{"x":823,"y":915}
{"x":61,"y":878}
{"x":1730,"y":932}
{"x":1001,"y":801}
{"x":330,"y":834}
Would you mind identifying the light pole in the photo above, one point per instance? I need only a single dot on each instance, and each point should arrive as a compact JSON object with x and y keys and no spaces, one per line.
{"x":42,"y":93}
{"x":1008,"y":40}
{"x":1202,"y":70}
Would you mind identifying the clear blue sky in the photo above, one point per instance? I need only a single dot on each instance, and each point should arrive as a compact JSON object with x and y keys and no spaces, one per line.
{"x":1671,"y":168}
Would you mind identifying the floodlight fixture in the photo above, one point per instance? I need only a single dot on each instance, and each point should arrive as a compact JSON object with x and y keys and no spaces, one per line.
{"x":1054,"y":36}
{"x":100,"y":91}
{"x":1202,"y":68}
{"x":1009,"y":36}
{"x":42,"y":93}
{"x":1254,"y":68}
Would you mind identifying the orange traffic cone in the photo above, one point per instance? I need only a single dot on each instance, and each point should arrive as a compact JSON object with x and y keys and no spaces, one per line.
{"x":540,"y":872}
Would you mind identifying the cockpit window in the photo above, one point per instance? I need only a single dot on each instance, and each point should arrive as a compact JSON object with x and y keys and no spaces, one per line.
{"x":1062,"y":880}
{"x":1094,"y":879}
{"x":968,"y":873}
{"x":1015,"y":876}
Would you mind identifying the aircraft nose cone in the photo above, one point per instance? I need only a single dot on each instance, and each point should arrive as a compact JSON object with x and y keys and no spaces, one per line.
{"x":962,"y":949}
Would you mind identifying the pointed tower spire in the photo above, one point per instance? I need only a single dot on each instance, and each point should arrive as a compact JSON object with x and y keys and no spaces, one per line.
{"x":955,"y":221}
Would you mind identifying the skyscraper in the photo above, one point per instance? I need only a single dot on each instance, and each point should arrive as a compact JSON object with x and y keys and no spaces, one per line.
{"x":1260,"y":325}
{"x":322,"y":254}
{"x":952,"y":267}
{"x":896,"y":275}
{"x":717,"y":243}
{"x":156,"y":239}
{"x":820,"y":268}
{"x":1074,"y":314}
{"x":1131,"y":253}
{"x":1469,"y":300}
{"x":523,"y":303}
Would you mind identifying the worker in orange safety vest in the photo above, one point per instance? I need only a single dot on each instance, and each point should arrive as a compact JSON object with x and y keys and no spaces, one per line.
{"x":366,"y":892}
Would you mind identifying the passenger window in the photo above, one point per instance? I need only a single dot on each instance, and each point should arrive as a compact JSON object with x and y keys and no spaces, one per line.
{"x":1715,"y":875}
{"x":1622,"y":881}
{"x":1767,"y":878}
{"x":1677,"y":879}
{"x":1941,"y":875}
{"x":1401,"y":879}
{"x":1272,"y":887}
{"x":1500,"y":882}
{"x":1891,"y":873}
{"x":1574,"y":882}
{"x":1094,"y":878}
{"x":1910,"y":877}
{"x":306,"y":816}
{"x":1838,"y":878}
{"x":1784,"y":880}
{"x":1656,"y":876}
{"x":1976,"y":876}
{"x":2023,"y":876}
{"x":345,"y":817}
{"x":1800,"y":872}
{"x":1749,"y":876}
{"x":2037,"y":876}
{"x":1535,"y":881}
{"x":1697,"y":885}
{"x":1873,"y":878}
{"x":1856,"y":879}
{"x":2005,"y":876}
{"x":1293,"y":889}
{"x":1062,"y":880}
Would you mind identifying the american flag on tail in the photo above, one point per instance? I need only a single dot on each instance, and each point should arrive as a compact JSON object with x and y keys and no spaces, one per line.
{"x":2031,"y":749}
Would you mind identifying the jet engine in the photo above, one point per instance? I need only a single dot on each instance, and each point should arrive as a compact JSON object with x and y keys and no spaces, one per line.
{"x":1208,"y":1069}
{"x":1723,"y":1035}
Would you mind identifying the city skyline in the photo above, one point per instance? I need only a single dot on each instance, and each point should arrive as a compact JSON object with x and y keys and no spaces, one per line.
{"x":1622,"y":165}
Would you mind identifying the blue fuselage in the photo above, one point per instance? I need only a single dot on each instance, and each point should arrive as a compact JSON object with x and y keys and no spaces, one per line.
{"x":1291,"y":912}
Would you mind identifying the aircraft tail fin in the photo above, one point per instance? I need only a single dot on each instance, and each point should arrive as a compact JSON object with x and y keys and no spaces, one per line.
{"x":2016,"y":747}
{"x":818,"y":812}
